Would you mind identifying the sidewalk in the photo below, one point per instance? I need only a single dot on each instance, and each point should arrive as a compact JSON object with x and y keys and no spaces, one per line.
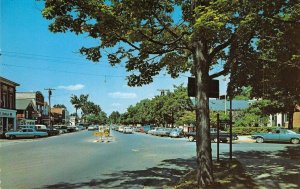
{"x":254,"y":170}
{"x":245,"y":138}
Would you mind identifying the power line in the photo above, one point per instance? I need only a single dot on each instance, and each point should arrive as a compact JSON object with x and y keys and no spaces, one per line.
{"x":55,"y":59}
{"x":79,"y":73}
{"x":65,"y":60}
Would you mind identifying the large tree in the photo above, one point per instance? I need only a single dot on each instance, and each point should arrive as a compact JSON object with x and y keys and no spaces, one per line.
{"x":176,"y":35}
{"x":75,"y":101}
{"x":114,"y":117}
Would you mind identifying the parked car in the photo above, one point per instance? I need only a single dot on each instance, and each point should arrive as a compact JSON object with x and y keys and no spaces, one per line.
{"x":223,"y":136}
{"x":146,"y":128}
{"x":114,"y":127}
{"x":40,"y":127}
{"x":163,"y":132}
{"x":128,"y":130}
{"x":25,"y":133}
{"x":93,"y":127}
{"x":153,"y":131}
{"x":26,"y":127}
{"x":44,"y":128}
{"x":80,"y":127}
{"x":121,"y":128}
{"x":72,"y":128}
{"x":277,"y":135}
{"x":52,"y":131}
{"x":176,"y":132}
{"x":137,"y":129}
{"x":61,"y":128}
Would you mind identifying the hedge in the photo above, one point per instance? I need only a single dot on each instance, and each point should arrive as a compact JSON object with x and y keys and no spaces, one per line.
{"x":253,"y":130}
{"x":250,"y":130}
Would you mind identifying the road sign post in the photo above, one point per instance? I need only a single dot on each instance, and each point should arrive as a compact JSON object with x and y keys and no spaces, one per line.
{"x":218,"y":136}
{"x":103,"y":132}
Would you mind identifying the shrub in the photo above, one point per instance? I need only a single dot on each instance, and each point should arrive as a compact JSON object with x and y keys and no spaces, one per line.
{"x":249,"y":130}
{"x":296,"y":129}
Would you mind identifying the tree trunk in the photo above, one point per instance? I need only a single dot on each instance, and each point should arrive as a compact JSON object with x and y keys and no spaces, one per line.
{"x":76,"y":116}
{"x":291,"y":119}
{"x":204,"y":156}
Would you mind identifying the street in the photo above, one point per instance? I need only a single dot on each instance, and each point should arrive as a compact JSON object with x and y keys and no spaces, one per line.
{"x":75,"y":160}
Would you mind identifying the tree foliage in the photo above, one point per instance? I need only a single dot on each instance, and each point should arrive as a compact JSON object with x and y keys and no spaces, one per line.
{"x":91,"y":112}
{"x":114,"y":117}
{"x":182,"y":35}
{"x":100,"y":118}
{"x":162,"y":110}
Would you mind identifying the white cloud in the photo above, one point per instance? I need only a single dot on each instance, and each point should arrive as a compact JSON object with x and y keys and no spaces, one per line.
{"x":116,"y":105}
{"x":122,"y":95}
{"x":72,"y":87}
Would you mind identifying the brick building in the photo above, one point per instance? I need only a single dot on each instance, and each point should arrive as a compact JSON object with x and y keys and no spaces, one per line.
{"x":8,"y":119}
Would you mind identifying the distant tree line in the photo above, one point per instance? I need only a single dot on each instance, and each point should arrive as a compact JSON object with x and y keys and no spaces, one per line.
{"x":91,"y":112}
{"x":166,"y":109}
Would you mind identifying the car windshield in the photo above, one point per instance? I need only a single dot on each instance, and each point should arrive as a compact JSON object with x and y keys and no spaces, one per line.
{"x":290,"y":132}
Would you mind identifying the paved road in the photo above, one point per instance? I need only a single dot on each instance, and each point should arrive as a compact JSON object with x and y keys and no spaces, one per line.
{"x":76,"y":161}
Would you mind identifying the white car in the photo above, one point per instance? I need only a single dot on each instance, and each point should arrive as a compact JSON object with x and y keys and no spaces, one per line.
{"x":128,"y":130}
{"x":121,"y":129}
{"x":93,"y":127}
{"x":153,"y":131}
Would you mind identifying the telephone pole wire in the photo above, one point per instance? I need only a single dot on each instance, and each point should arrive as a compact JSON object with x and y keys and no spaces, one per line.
{"x":49,"y":98}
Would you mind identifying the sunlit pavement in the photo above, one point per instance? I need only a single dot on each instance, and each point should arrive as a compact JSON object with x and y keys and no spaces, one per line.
{"x":75,"y":160}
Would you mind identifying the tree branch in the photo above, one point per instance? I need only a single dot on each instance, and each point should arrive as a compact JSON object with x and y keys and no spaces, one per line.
{"x":231,"y":54}
{"x":171,"y":32}
{"x":221,"y":46}
{"x":160,"y":43}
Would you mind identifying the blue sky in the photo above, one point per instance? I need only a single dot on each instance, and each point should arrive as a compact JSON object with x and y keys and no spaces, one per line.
{"x":37,"y":59}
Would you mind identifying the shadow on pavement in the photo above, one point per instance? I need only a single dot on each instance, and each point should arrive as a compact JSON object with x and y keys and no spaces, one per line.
{"x":165,"y":175}
{"x":252,"y":169}
{"x":279,"y":169}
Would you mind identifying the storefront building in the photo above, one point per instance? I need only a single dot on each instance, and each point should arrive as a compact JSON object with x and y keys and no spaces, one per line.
{"x":25,"y":112}
{"x":8,"y":118}
{"x":38,"y":103}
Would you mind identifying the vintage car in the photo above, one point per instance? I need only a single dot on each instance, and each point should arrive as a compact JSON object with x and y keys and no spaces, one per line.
{"x":176,"y":132}
{"x":25,"y":133}
{"x":277,"y":135}
{"x":223,"y":136}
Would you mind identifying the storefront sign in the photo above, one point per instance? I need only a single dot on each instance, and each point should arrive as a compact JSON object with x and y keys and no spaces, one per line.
{"x":7,"y":113}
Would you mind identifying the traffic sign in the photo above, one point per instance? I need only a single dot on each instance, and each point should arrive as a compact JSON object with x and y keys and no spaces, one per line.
{"x":98,"y":134}
{"x":213,"y":88}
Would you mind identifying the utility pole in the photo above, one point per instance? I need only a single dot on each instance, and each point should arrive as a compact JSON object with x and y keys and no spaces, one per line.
{"x":49,"y":98}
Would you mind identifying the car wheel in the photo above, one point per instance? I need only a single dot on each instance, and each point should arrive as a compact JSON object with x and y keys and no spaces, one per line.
{"x":35,"y":136}
{"x":259,"y":140}
{"x":12,"y":137}
{"x":295,"y":141}
{"x":191,"y":138}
